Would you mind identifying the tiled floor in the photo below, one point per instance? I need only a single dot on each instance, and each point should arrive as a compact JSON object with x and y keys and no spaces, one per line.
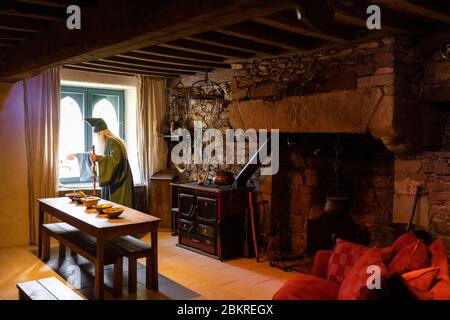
{"x":182,"y":274}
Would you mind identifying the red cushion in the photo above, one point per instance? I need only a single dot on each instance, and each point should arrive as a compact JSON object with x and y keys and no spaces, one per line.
{"x":412,"y":257}
{"x":421,"y":279}
{"x":343,"y":257}
{"x":441,"y":290}
{"x":438,"y":252}
{"x":404,"y":240}
{"x":354,"y":287}
{"x":386,"y":254}
{"x":307,"y":287}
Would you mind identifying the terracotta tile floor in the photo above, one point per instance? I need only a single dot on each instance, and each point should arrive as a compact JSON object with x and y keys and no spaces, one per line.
{"x":182,"y":274}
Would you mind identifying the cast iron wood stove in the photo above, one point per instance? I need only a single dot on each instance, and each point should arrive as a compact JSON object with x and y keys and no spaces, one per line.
{"x":211,"y":219}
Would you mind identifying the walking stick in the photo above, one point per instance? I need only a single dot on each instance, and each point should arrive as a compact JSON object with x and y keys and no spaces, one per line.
{"x":252,"y":218}
{"x":94,"y":171}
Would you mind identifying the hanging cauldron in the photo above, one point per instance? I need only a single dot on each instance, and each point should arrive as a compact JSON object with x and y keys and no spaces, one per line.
{"x":337,"y":202}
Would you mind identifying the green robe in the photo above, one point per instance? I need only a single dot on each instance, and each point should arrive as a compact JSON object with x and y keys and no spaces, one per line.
{"x":115,"y":176}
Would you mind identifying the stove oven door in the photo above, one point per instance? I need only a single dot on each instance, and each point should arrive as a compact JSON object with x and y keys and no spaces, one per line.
{"x":186,"y":206}
{"x":207,"y":210}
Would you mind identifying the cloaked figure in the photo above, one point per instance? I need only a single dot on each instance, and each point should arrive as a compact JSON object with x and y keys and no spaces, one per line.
{"x":114,"y":171}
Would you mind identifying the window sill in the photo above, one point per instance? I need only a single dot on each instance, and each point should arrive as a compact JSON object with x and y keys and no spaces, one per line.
{"x":84,"y":187}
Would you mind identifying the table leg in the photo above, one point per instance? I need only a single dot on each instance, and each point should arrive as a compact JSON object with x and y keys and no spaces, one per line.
{"x":41,"y":222}
{"x":152,"y":261}
{"x":99,"y":270}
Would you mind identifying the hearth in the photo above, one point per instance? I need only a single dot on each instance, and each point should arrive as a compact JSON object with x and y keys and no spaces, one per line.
{"x":314,"y":199}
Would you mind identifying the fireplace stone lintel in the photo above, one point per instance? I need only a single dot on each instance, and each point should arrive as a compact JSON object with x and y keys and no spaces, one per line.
{"x":401,"y":124}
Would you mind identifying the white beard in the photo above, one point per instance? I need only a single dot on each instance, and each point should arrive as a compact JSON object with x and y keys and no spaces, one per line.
{"x":100,"y":143}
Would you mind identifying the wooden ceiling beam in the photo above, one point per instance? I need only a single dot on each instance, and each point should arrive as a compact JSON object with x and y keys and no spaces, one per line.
{"x":126,"y":26}
{"x":392,"y":22}
{"x":14,"y":24}
{"x":5,"y":44}
{"x":154,"y":65}
{"x":287,"y":21}
{"x":27,"y":10}
{"x":120,"y":73}
{"x":260,"y":33}
{"x":90,"y":66}
{"x":195,"y":47}
{"x":148,"y":57}
{"x":172,"y":53}
{"x":226,"y":41}
{"x":60,"y":3}
{"x":435,"y":10}
{"x":14,"y":35}
{"x":137,"y":69}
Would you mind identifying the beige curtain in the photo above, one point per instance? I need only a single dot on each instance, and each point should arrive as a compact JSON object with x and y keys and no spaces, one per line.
{"x":41,"y":101}
{"x":152,"y":149}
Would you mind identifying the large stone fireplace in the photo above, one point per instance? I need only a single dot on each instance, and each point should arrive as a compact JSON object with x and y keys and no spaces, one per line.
{"x":370,"y":96}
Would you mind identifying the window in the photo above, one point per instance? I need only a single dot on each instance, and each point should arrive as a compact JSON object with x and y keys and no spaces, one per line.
{"x":75,"y":134}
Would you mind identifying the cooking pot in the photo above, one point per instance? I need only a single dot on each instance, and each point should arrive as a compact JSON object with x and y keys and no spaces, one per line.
{"x":223,"y":178}
{"x":337,"y":204}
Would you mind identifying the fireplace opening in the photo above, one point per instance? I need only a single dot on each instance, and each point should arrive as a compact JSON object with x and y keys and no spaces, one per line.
{"x":319,"y":174}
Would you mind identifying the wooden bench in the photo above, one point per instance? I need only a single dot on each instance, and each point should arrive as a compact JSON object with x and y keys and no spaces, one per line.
{"x":135,"y":249}
{"x":46,"y":289}
{"x":84,"y":245}
{"x":125,"y":246}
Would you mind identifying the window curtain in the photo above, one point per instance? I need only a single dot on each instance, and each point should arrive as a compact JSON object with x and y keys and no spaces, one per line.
{"x":41,"y":101}
{"x":152,"y":149}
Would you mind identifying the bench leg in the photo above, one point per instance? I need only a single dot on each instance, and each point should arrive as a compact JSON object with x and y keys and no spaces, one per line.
{"x":45,"y":245}
{"x":117,"y":279}
{"x":132,"y":275}
{"x":149,"y":273}
{"x":62,"y":251}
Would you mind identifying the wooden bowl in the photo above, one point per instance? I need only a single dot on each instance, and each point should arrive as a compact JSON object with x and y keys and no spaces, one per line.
{"x":90,"y":202}
{"x":103,"y":206}
{"x":113,"y":213}
{"x":73,"y":195}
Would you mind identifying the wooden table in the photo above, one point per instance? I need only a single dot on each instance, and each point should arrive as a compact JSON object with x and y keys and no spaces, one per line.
{"x":86,"y":220}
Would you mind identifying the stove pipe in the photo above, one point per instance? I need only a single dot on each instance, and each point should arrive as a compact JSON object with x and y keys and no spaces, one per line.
{"x":252,"y":165}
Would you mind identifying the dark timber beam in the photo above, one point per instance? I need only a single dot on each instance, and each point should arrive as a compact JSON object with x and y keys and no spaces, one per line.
{"x":96,"y":66}
{"x":60,"y":3}
{"x":195,"y":47}
{"x":27,"y":10}
{"x":148,"y":57}
{"x":260,"y":33}
{"x":172,"y":53}
{"x":288,"y":21}
{"x":14,"y":35}
{"x":226,"y":41}
{"x":136,"y":69}
{"x":15,"y":24}
{"x":154,"y":65}
{"x":391,"y":21}
{"x":432,"y":9}
{"x":119,"y":26}
{"x":120,"y":73}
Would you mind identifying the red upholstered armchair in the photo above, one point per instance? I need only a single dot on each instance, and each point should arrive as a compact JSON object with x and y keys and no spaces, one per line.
{"x":315,"y":286}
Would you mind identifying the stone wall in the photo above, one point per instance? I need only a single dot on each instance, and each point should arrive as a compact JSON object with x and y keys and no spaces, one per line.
{"x":389,"y":65}
{"x":369,"y":179}
{"x":356,"y":66}
{"x":429,"y":168}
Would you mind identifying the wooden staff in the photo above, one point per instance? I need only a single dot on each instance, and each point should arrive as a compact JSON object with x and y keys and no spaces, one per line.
{"x":252,"y":219}
{"x":94,"y":171}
